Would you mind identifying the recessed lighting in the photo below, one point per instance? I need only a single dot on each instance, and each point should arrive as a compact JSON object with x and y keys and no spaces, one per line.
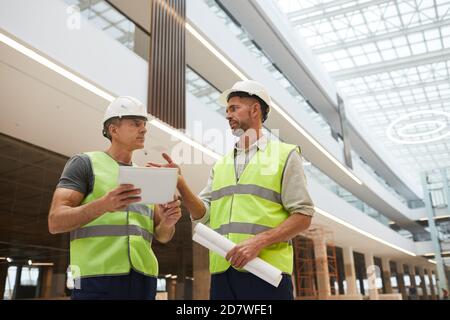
{"x":436,"y":218}
{"x":9,"y":260}
{"x":30,"y":262}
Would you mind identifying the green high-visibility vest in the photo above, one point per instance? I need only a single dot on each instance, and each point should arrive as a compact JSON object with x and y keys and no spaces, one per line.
{"x":117,"y":241}
{"x":244,"y":208}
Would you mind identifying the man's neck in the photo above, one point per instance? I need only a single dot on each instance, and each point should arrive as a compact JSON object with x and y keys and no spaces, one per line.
{"x":120,"y":154}
{"x":250,"y":137}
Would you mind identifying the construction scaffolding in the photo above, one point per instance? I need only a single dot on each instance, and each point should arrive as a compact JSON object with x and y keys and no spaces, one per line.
{"x":311,"y":268}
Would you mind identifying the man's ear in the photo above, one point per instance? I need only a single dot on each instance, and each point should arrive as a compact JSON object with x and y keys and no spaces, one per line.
{"x":112,"y":129}
{"x":256,"y":110}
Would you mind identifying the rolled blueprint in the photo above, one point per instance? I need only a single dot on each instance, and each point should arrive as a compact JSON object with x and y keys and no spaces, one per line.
{"x":221,"y":245}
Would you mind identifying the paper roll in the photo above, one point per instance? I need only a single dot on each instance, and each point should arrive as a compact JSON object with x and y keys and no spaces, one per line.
{"x":221,"y":245}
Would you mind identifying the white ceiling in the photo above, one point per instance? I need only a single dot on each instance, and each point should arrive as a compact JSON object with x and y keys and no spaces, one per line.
{"x":391,"y":59}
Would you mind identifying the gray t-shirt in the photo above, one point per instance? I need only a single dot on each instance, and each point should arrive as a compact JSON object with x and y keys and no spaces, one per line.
{"x":78,"y":174}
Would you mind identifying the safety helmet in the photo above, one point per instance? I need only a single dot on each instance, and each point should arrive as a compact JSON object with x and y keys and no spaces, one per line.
{"x":251,"y":87}
{"x":125,"y":106}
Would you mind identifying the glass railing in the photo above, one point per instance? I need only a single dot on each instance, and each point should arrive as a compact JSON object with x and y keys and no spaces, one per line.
{"x":203,"y":90}
{"x":315,"y":173}
{"x":105,"y":17}
{"x":371,"y":171}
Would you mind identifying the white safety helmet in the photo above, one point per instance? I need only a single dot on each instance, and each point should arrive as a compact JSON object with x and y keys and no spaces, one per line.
{"x":125,"y":106}
{"x":251,"y":87}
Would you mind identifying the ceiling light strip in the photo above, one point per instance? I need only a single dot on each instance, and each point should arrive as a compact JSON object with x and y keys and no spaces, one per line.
{"x":179,"y":135}
{"x":367,"y":234}
{"x":52,"y":66}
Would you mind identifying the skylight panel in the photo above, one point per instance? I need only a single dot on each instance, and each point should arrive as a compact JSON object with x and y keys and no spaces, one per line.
{"x":361,"y":60}
{"x":434,"y":45}
{"x":384,"y":44}
{"x":432,"y":34}
{"x":415,"y":37}
{"x":403,"y":51}
{"x":418,"y":48}
{"x":389,"y":54}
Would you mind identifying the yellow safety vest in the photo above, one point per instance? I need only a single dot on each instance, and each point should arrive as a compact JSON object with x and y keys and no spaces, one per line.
{"x":244,"y":208}
{"x":117,"y":241}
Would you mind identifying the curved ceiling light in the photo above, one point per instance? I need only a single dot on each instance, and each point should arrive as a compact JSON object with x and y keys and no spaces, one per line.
{"x":442,"y":125}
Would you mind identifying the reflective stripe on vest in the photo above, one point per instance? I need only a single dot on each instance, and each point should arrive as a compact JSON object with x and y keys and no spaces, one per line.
{"x":244,"y":228}
{"x":247,"y":189}
{"x":141,"y":209}
{"x":110,"y":231}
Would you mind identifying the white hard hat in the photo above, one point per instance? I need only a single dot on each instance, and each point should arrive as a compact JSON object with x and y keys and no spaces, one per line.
{"x":125,"y":106}
{"x":249,"y":86}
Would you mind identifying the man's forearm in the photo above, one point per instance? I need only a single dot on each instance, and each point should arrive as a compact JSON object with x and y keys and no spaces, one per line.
{"x":287,"y":230}
{"x":164,"y":233}
{"x":71,"y":218}
{"x":191,"y":201}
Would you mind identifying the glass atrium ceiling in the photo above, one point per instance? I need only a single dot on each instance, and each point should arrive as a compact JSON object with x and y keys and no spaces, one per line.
{"x":391,"y":61}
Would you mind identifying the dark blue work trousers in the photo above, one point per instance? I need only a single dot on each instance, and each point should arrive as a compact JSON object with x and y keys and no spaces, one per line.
{"x":133,"y":286}
{"x":238,"y":285}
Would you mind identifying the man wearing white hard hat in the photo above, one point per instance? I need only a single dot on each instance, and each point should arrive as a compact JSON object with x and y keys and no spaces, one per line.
{"x":256,"y":196}
{"x":110,"y":232}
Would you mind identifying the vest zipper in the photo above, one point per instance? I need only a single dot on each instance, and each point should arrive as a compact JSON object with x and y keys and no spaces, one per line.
{"x":238,"y":178}
{"x":128,"y":240}
{"x":231,"y":211}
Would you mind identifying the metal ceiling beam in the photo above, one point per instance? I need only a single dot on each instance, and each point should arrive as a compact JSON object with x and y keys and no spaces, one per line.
{"x":319,"y":7}
{"x":404,"y":107}
{"x":379,"y":37}
{"x":340,"y":11}
{"x":397,"y":89}
{"x":396,"y":64}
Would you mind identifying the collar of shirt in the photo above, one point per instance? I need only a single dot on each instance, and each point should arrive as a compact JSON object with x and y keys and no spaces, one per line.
{"x":261,"y":144}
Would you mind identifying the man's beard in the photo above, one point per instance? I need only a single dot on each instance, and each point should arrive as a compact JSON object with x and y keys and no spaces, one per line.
{"x":239,"y":130}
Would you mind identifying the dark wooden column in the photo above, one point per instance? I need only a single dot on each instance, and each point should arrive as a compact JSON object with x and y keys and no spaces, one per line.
{"x":3,"y":275}
{"x":167,"y":62}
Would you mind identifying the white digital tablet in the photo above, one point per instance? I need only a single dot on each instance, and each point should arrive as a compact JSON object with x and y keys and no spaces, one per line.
{"x":158,"y":185}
